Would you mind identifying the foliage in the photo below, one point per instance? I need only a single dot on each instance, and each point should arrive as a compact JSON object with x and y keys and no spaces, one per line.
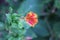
{"x":15,"y":26}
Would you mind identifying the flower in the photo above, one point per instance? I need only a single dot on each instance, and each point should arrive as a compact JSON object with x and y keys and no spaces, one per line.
{"x":28,"y":38}
{"x":31,"y":18}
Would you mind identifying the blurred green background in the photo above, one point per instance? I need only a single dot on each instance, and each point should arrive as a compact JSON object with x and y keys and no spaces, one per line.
{"x":22,"y":7}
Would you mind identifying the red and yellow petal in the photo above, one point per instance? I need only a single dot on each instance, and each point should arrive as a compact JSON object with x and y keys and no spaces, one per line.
{"x":31,"y":18}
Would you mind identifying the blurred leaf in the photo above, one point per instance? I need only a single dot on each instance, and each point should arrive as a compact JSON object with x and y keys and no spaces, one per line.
{"x":30,"y":33}
{"x":2,"y":27}
{"x":57,"y":3}
{"x":57,"y":29}
{"x":36,"y":6}
{"x":42,"y":28}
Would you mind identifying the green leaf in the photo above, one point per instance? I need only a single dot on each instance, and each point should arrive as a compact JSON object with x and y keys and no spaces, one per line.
{"x":57,"y":3}
{"x":57,"y":28}
{"x":2,"y":27}
{"x":30,"y":33}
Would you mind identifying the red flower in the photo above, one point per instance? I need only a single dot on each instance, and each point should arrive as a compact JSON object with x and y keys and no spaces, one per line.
{"x":31,"y":18}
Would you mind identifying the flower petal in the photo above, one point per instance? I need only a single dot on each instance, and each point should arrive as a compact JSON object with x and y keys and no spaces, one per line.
{"x":31,"y":18}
